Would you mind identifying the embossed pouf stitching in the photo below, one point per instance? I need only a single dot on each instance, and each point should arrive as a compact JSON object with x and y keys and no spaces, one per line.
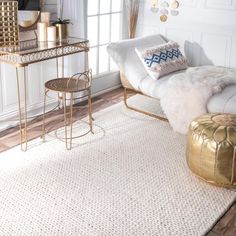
{"x":211,"y":149}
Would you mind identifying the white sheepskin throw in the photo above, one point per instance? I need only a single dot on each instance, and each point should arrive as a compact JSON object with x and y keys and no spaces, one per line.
{"x":185,"y":96}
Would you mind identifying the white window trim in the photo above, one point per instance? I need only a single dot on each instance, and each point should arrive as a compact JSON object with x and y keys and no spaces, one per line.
{"x":122,"y":35}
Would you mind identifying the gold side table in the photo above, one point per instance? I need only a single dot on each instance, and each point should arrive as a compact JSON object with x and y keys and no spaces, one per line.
{"x":78,"y":83}
{"x":30,"y":52}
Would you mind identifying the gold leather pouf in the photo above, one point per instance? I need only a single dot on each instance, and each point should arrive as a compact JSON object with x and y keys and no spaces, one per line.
{"x":211,"y":149}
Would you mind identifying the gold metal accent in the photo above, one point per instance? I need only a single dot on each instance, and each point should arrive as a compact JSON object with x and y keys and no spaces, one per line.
{"x":67,"y":85}
{"x":23,"y":130}
{"x":175,"y":4}
{"x":44,"y":111}
{"x":128,"y":88}
{"x":9,"y":32}
{"x":25,"y":110}
{"x":62,"y":31}
{"x":32,"y":51}
{"x":166,"y":8}
{"x":29,"y":52}
{"x":211,"y":149}
{"x":19,"y":105}
{"x":126,"y":91}
{"x":163,"y":18}
{"x":80,"y":82}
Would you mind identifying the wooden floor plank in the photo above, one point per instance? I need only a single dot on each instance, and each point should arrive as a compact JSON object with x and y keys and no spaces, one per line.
{"x":227,"y":225}
{"x":55,"y":119}
{"x":213,"y":234}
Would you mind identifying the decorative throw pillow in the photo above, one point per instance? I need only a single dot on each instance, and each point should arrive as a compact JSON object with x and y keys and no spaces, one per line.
{"x":162,"y":60}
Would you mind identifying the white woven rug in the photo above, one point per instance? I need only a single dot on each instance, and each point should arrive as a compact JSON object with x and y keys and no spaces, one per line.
{"x":130,"y":178}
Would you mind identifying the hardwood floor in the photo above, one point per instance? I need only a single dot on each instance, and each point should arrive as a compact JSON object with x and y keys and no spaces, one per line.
{"x":10,"y":138}
{"x":55,"y":119}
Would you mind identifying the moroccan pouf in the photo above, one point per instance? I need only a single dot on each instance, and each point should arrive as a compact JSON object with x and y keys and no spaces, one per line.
{"x":211,"y":149}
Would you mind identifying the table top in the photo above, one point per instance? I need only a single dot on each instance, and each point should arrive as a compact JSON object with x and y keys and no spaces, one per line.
{"x":34,"y":46}
{"x":32,"y":51}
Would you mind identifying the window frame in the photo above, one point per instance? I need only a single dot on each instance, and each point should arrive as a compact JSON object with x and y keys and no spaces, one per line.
{"x":97,"y":46}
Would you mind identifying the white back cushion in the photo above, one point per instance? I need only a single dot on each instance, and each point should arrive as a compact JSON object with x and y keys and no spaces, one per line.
{"x":124,"y":55}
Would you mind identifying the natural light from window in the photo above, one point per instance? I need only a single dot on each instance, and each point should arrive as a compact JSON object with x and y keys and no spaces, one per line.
{"x":104,"y":25}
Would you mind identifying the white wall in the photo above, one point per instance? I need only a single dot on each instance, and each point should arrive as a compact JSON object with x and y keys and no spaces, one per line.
{"x":51,"y":6}
{"x":206,"y":30}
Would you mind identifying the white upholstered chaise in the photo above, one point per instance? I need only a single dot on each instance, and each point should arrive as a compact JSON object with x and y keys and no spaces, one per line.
{"x":132,"y":73}
{"x":134,"y":76}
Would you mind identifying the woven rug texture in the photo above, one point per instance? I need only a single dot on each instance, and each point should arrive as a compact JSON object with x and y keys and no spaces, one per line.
{"x":129,"y":178}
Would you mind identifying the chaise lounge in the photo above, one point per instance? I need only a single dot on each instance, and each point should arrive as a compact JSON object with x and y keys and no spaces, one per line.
{"x":135,"y":78}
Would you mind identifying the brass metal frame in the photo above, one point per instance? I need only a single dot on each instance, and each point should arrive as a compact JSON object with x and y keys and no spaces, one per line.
{"x":23,"y":54}
{"x":129,"y":89}
{"x":68,"y":122}
{"x":28,"y":52}
{"x":9,"y":31}
{"x":23,"y":130}
{"x":126,"y":91}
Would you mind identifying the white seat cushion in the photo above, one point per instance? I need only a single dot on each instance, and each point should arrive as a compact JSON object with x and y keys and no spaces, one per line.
{"x":124,"y":55}
{"x":153,"y":87}
{"x":224,"y":102}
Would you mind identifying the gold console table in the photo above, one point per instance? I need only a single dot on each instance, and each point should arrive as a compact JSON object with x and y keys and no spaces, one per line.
{"x":32,"y":51}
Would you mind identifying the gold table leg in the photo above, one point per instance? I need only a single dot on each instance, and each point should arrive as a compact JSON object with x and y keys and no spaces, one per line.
{"x":44,"y":111}
{"x":23,"y":130}
{"x":68,"y":140}
{"x":90,"y":111}
{"x":71,"y":119}
{"x":86,"y":68}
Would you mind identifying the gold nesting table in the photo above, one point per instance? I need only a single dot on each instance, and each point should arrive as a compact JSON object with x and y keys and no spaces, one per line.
{"x":30,"y":52}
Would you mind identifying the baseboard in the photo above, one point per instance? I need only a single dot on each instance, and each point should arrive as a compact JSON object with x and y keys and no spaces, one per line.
{"x":106,"y":90}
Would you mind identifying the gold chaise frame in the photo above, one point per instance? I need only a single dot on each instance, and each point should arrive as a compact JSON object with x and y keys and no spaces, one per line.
{"x":129,"y":88}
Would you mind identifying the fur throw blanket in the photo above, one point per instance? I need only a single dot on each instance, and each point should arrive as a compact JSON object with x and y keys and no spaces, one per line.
{"x":184,"y":96}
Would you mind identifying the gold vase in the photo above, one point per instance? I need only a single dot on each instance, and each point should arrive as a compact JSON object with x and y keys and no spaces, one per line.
{"x":62,"y":31}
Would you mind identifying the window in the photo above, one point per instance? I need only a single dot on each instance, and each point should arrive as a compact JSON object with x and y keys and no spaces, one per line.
{"x":104,"y":25}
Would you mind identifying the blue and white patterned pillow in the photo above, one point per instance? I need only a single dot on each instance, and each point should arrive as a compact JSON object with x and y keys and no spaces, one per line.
{"x":162,"y":60}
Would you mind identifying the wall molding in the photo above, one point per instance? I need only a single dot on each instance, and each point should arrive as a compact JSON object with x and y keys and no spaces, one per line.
{"x":188,"y":3}
{"x":221,"y":4}
{"x":221,"y":56}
